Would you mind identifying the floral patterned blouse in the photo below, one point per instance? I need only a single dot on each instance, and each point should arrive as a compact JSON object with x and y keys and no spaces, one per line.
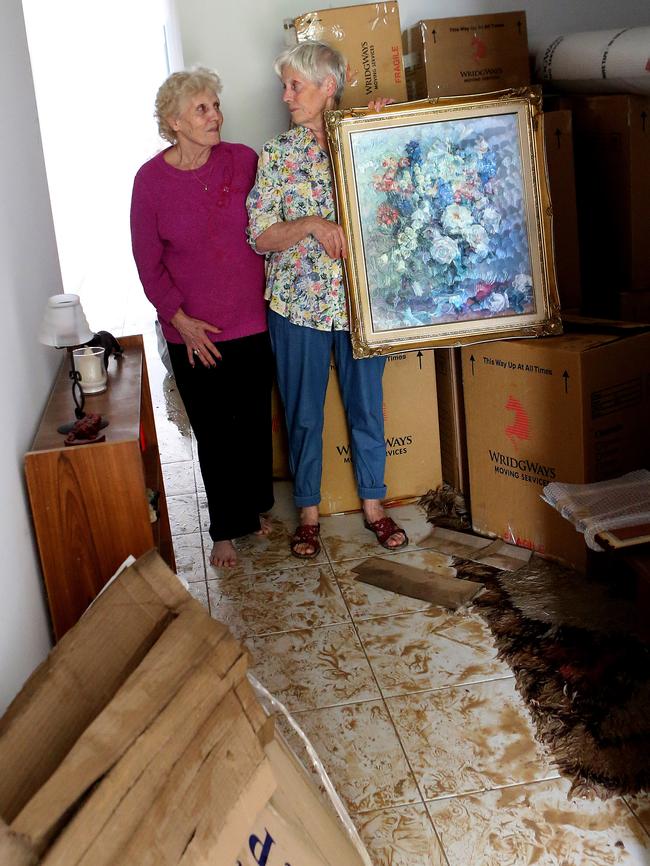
{"x":294,"y":179}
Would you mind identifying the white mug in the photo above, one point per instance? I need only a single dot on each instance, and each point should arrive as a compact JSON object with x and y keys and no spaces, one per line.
{"x":89,"y":361}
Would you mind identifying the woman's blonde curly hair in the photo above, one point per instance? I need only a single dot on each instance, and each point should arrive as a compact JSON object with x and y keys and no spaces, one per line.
{"x":175,"y":90}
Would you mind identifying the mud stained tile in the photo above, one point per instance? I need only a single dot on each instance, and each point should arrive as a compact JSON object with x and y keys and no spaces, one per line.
{"x":199,"y":591}
{"x":469,"y":738}
{"x":361,"y":753}
{"x":273,"y":601}
{"x":258,"y":553}
{"x":204,"y":514}
{"x":188,"y":552}
{"x":400,"y":837}
{"x":415,"y":651}
{"x":183,"y":514}
{"x":538,"y":824}
{"x":345,"y":536}
{"x":313,"y":668}
{"x":179,"y":478}
{"x":365,"y":600}
{"x":640,"y":805}
{"x":174,"y":445}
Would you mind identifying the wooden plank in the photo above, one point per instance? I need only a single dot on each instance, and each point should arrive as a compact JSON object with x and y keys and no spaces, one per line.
{"x":110,"y":817}
{"x":184,"y":644}
{"x":81,"y":675}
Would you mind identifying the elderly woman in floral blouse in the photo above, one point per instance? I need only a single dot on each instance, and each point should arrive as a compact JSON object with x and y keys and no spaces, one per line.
{"x":293,"y":222}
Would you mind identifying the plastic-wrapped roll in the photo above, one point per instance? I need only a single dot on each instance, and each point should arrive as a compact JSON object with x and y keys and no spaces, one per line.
{"x":598,"y":61}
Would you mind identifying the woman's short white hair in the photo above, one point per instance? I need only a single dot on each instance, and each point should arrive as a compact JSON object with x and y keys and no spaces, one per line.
{"x":176,"y":89}
{"x":315,"y":61}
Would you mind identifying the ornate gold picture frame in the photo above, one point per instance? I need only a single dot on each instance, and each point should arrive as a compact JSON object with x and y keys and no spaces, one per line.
{"x":447,"y":214}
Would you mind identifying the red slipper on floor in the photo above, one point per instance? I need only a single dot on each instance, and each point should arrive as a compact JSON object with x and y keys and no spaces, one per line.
{"x":307,"y":534}
{"x":384,"y":528}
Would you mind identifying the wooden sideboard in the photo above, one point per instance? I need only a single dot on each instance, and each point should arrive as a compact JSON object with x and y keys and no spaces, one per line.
{"x":89,"y":502}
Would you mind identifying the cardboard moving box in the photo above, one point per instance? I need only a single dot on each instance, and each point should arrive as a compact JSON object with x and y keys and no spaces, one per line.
{"x":611,"y":139}
{"x":451,"y":412}
{"x":369,"y":37}
{"x":558,"y":138}
{"x":413,"y":459}
{"x":573,"y":408}
{"x":413,"y":463}
{"x":472,"y":54}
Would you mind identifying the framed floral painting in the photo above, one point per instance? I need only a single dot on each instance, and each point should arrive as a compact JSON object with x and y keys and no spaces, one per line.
{"x":446,"y":209}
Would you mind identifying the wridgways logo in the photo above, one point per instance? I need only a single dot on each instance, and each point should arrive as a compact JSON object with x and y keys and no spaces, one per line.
{"x":479,"y":49}
{"x":519,"y":429}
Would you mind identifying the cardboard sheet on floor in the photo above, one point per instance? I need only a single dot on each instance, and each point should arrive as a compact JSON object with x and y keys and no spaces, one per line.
{"x":488,"y":551}
{"x":450,"y":592}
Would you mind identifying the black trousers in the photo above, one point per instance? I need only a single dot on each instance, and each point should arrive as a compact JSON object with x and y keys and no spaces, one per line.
{"x":229,"y":407}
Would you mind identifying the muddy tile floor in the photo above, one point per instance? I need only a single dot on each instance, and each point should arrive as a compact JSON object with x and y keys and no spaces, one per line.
{"x":417,"y":722}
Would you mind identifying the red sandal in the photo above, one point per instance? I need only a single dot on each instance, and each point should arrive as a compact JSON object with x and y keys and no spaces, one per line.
{"x":384,"y":528}
{"x":306,"y":534}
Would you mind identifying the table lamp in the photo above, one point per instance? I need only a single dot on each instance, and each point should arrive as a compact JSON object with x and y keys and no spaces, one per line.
{"x":64,"y":325}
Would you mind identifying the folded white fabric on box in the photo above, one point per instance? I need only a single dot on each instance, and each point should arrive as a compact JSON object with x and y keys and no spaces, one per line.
{"x":604,"y":505}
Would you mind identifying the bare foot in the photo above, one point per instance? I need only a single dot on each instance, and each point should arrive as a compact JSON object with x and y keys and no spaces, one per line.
{"x":223,"y":554}
{"x":266,"y":527}
{"x":373,"y":510}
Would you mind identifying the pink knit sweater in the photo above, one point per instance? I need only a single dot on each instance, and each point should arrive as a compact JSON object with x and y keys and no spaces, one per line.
{"x":190,"y":244}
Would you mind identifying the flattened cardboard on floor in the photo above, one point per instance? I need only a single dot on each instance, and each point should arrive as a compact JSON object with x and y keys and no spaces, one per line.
{"x":471,"y":54}
{"x":171,"y":759}
{"x":71,"y":687}
{"x":574,"y":408}
{"x":404,"y":579}
{"x":369,"y":37}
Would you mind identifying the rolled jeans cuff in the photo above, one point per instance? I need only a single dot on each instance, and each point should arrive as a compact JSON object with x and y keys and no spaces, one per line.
{"x":372,"y":492}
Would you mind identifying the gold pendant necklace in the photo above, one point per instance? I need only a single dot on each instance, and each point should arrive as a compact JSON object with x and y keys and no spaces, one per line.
{"x":203,"y":184}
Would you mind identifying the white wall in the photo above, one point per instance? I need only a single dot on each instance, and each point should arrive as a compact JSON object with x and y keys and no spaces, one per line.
{"x":240,"y":39}
{"x":96,"y":69}
{"x":29,"y":273}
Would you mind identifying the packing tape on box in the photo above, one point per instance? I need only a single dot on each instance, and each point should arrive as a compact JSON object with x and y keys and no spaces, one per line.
{"x":598,"y":61}
{"x":268,"y":700}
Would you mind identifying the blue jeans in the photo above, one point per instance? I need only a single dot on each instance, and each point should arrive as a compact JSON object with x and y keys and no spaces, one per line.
{"x":302,"y":357}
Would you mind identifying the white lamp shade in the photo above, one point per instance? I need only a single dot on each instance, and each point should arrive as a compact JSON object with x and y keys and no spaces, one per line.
{"x":64,"y":322}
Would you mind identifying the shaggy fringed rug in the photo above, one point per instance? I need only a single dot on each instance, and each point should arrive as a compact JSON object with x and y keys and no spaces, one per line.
{"x":580,"y":652}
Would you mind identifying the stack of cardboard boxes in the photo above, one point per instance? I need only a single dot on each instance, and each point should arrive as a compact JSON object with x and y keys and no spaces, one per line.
{"x":516,"y":415}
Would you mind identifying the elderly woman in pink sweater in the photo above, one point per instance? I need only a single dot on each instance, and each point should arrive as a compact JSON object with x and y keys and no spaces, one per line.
{"x":188,"y":228}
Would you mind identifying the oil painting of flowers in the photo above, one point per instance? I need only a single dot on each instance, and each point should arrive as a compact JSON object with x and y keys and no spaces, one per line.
{"x":443,"y":214}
